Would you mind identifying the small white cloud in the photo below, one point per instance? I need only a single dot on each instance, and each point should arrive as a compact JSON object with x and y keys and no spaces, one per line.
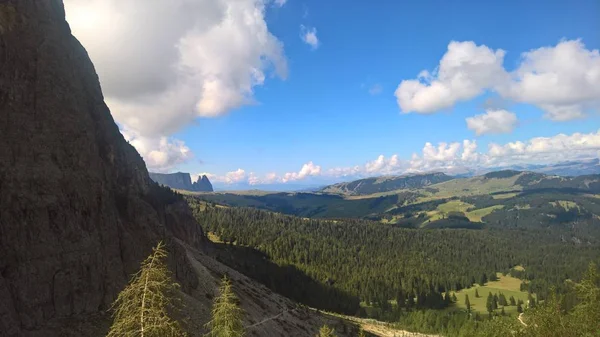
{"x":279,"y":3}
{"x":376,"y":89}
{"x":309,"y":36}
{"x":308,"y":169}
{"x":161,"y":153}
{"x":492,"y":122}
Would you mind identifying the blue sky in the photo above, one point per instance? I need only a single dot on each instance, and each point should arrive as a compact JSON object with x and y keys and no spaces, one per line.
{"x":337,"y":106}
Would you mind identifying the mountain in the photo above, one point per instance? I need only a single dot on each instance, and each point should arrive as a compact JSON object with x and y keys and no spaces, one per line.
{"x":182,"y":181}
{"x":79,"y":211}
{"x":386,"y":183}
{"x":467,"y":200}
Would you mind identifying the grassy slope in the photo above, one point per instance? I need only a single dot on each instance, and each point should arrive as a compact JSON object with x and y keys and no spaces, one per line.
{"x":508,"y":285}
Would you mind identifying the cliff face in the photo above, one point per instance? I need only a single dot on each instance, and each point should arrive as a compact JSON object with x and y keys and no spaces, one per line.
{"x":78,"y":209}
{"x":182,"y":181}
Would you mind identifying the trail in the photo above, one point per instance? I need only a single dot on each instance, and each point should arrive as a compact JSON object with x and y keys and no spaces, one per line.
{"x":268,"y":319}
{"x":383,"y":329}
{"x":520,"y":318}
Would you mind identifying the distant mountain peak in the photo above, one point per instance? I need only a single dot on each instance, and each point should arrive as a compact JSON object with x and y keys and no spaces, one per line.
{"x":182,"y":181}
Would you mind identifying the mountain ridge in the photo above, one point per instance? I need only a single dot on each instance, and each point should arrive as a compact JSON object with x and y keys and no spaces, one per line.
{"x":386,"y":183}
{"x":182,"y":181}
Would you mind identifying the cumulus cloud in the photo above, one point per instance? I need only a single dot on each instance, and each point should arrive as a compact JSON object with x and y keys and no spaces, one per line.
{"x":562,"y":80}
{"x":307,"y":170}
{"x":160,"y":154}
{"x":492,"y":122}
{"x":309,"y":36}
{"x":464,"y":72}
{"x":457,"y":157}
{"x":164,"y":63}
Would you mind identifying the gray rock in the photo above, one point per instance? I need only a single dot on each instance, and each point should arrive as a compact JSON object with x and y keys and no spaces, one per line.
{"x":182,"y":181}
{"x":78,"y":209}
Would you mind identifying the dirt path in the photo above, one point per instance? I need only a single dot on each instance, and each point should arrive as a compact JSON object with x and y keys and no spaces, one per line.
{"x":520,"y":318}
{"x":267,"y":319}
{"x":383,"y":329}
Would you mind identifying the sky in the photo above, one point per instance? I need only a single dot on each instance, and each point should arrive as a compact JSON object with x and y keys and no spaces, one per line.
{"x":292,"y":93}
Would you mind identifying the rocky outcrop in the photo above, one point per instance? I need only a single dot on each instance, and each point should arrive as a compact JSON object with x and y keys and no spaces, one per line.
{"x":78,"y":209}
{"x":203,"y":185}
{"x":182,"y":181}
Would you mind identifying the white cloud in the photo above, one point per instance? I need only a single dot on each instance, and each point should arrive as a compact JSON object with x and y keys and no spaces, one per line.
{"x":443,"y":152}
{"x":492,"y":122}
{"x":160,"y":154}
{"x":308,"y":169}
{"x":563,"y":80}
{"x":457,"y":157}
{"x":376,"y":89}
{"x":163,"y":63}
{"x":469,"y":151}
{"x":280,"y":3}
{"x":464,"y":72}
{"x":235,"y":176}
{"x":253,"y":179}
{"x":309,"y":36}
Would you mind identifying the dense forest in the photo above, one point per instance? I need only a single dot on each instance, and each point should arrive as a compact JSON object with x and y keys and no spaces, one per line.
{"x":375,"y":263}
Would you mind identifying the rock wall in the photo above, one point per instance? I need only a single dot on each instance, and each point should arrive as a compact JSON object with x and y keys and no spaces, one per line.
{"x":182,"y":181}
{"x":78,"y":211}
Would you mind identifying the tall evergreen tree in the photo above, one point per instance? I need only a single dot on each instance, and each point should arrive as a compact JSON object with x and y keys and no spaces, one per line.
{"x":512,"y":301}
{"x":467,"y":303}
{"x":226,"y":313}
{"x":490,"y":303}
{"x":502,"y":300}
{"x":142,"y":308}
{"x":530,"y":301}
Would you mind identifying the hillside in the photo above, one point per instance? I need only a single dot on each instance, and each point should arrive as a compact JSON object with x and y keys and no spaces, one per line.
{"x":385,"y":184}
{"x":457,"y":203}
{"x":79,"y":210}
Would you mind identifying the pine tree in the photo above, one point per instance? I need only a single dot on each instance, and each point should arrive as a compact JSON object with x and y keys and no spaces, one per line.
{"x":495,"y":301}
{"x":476,"y":293}
{"x":226,"y":314}
{"x":467,"y":303}
{"x":490,"y":303}
{"x":502,"y":300}
{"x":483,"y":280}
{"x":512,"y":301}
{"x":326,"y":331}
{"x":519,"y":308}
{"x":531,"y":301}
{"x":502,"y":312}
{"x":142,"y":308}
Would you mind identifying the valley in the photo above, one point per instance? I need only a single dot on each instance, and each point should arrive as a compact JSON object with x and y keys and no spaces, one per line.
{"x":415,"y":254}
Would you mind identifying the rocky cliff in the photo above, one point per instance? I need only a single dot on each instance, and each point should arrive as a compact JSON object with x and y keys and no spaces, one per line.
{"x":78,"y":210}
{"x":182,"y":181}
